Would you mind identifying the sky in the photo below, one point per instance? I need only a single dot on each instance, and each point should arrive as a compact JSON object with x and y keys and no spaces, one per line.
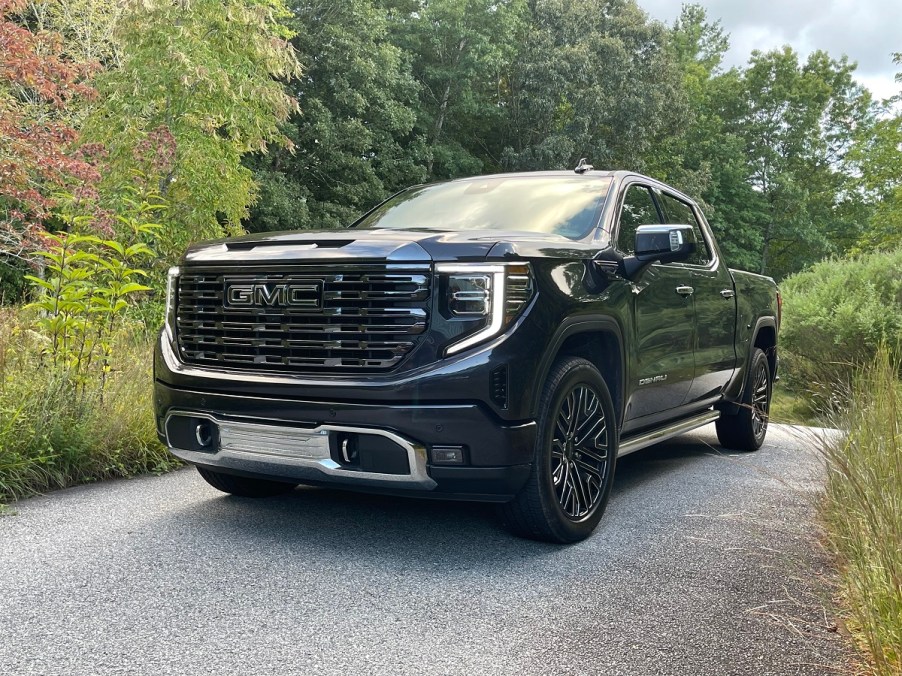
{"x":867,"y":31}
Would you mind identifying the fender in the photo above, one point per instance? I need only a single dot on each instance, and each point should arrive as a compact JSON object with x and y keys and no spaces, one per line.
{"x":572,"y":326}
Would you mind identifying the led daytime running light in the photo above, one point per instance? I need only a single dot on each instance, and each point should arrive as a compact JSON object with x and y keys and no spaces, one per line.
{"x":498,"y":299}
{"x":169,"y":319}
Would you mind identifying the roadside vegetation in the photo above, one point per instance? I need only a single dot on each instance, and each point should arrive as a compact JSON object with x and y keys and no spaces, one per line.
{"x":863,"y":510}
{"x":842,"y":361}
{"x":837,"y":314}
{"x":58,"y":429}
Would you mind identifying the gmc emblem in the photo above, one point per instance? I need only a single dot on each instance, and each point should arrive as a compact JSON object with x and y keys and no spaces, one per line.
{"x":302,"y":294}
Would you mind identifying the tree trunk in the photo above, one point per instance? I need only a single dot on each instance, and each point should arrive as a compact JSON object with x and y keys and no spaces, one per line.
{"x":766,"y":251}
{"x":443,"y":106}
{"x":439,"y":123}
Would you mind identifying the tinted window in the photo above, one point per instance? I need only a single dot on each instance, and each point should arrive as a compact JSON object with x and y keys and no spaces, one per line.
{"x":560,"y":205}
{"x":678,"y":212}
{"x":638,"y":209}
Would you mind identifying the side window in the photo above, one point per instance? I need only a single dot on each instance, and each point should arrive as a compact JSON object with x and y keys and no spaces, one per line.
{"x":677,"y":212}
{"x":638,"y":209}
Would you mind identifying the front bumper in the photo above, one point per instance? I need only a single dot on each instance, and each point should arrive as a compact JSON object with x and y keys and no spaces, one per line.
{"x":279,"y":438}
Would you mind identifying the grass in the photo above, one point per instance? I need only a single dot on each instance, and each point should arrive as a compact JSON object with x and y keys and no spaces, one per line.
{"x":55,"y":433}
{"x":863,"y":512}
{"x":792,"y":408}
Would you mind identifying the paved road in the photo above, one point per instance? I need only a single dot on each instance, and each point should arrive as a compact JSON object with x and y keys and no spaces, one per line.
{"x":704,"y":564}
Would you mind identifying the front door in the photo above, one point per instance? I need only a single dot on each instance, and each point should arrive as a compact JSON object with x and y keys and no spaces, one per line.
{"x":663,"y":314}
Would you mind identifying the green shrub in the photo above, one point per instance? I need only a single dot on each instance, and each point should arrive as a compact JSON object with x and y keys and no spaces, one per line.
{"x":835,"y":315}
{"x":863,"y":510}
{"x":57,"y":430}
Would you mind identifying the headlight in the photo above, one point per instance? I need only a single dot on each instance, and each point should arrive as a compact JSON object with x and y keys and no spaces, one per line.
{"x":171,"y":286}
{"x":482,"y":299}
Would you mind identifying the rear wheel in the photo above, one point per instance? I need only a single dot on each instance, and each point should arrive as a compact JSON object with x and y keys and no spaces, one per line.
{"x":575,"y":455}
{"x":242,"y":486}
{"x":745,"y":430}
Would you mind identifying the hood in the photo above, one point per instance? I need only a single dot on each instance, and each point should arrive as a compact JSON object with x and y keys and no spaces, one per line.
{"x":401,"y":246}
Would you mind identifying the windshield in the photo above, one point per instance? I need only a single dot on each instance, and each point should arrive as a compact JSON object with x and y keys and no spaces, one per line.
{"x":550,"y":204}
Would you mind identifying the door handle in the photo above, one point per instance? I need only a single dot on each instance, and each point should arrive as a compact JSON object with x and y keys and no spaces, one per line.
{"x":728,"y":293}
{"x":685,"y":290}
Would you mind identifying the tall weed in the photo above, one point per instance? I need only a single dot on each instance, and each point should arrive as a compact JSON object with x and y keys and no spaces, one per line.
{"x":863,"y":510}
{"x":55,"y":432}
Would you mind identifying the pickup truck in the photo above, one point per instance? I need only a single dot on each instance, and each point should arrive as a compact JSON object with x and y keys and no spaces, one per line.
{"x":498,"y":338}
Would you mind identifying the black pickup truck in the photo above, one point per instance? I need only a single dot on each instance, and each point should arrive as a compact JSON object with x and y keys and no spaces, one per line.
{"x":500,"y":338}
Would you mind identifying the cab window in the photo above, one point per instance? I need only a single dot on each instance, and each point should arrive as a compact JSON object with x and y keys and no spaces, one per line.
{"x":638,"y":209}
{"x":678,"y":212}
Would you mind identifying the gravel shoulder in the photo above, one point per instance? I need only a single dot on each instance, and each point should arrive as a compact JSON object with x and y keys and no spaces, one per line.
{"x":705,"y":563}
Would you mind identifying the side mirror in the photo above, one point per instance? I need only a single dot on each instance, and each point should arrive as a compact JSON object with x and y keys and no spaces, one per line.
{"x":659,"y":243}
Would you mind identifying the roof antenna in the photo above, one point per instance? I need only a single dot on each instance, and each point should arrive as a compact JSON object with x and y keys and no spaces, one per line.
{"x":582,"y":167}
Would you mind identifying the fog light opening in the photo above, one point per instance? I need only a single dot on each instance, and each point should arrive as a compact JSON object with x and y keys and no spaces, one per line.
{"x":448,"y":455}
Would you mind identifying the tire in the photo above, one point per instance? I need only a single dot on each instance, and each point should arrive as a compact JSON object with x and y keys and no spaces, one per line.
{"x":244,"y":487}
{"x":574,"y":458}
{"x":745,"y":430}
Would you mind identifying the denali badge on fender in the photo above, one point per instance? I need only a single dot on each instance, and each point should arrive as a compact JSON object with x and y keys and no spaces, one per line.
{"x":305,"y":294}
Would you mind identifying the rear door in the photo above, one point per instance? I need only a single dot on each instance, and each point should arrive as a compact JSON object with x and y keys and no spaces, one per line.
{"x":663,"y":316}
{"x":715,"y":305}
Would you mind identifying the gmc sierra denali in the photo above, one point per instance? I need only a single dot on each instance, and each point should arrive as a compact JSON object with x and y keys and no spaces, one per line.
{"x":499,"y":338}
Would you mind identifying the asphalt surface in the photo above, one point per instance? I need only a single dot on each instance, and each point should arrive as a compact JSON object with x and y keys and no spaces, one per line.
{"x":705,"y":563}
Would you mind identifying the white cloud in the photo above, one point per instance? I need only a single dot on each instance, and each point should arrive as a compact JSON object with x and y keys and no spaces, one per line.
{"x":867,"y":31}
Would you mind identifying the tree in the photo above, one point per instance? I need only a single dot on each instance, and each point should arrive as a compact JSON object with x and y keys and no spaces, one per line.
{"x":594,"y":79}
{"x":203,"y":76}
{"x":460,"y":52}
{"x":353,"y":140}
{"x":38,"y":156}
{"x":878,"y":156}
{"x":88,"y":28}
{"x":798,"y":122}
{"x":710,"y":157}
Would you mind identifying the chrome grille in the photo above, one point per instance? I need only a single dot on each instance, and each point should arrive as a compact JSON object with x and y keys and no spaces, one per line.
{"x":302,"y":318}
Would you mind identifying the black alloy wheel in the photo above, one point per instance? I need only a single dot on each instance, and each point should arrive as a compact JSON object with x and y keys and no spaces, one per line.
{"x":760,"y":399}
{"x":579,"y":452}
{"x":574,"y":458}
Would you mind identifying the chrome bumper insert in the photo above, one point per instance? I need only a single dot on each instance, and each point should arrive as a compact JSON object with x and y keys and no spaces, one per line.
{"x":295,"y":452}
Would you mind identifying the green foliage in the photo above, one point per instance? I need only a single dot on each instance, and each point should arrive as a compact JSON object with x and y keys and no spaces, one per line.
{"x":835,"y":316}
{"x":85,"y":288}
{"x":797,"y":123}
{"x":713,"y":156}
{"x":195,"y":91}
{"x":352,"y":139}
{"x":88,"y":27}
{"x":863,"y":510}
{"x":54,"y":433}
{"x":461,"y":53}
{"x":594,"y":79}
{"x":878,"y":155}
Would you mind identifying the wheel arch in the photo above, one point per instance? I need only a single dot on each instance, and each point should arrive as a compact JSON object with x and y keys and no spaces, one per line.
{"x":764,"y":337}
{"x":766,"y":340}
{"x":598,"y":340}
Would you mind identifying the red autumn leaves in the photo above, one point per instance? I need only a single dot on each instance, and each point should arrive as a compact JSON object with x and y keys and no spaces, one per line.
{"x":38,"y":144}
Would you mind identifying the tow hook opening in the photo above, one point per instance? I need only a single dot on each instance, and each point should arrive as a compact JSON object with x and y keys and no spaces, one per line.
{"x":348,"y":453}
{"x":203,"y":433}
{"x":368,"y":453}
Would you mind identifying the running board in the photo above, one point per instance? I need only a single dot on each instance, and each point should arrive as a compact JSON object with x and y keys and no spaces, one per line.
{"x":653,"y":437}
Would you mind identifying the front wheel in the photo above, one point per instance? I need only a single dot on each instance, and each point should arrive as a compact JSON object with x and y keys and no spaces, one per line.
{"x":574,"y":458}
{"x":745,"y":430}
